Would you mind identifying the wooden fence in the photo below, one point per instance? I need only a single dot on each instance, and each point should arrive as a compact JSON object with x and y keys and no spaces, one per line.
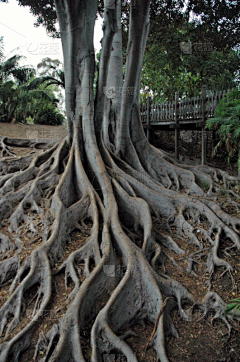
{"x":194,"y":110}
{"x":190,"y":109}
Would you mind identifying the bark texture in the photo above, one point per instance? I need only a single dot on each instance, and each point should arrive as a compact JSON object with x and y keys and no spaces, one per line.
{"x":106,"y":181}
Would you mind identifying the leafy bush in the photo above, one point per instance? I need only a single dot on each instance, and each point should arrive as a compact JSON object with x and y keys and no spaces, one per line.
{"x":48,"y":114}
{"x":227,"y":124}
{"x":23,"y":97}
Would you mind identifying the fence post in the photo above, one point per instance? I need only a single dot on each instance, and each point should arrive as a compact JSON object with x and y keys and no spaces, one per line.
{"x":148,"y":118}
{"x":176,"y":124}
{"x":204,"y":87}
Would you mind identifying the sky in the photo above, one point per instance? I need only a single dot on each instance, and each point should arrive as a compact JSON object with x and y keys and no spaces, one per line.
{"x":22,"y":37}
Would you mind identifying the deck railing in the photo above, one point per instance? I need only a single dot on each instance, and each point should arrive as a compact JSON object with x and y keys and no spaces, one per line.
{"x":188,"y":109}
{"x":194,"y":110}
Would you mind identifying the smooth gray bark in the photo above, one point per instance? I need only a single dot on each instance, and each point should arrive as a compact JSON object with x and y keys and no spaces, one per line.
{"x":111,"y":117}
{"x":138,"y":31}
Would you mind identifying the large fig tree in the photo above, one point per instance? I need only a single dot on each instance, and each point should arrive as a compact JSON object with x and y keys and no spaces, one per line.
{"x":107,"y":182}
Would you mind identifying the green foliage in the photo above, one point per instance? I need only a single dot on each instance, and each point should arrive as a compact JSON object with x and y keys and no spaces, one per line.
{"x":48,"y":114}
{"x":212,"y":31}
{"x":235,"y":306}
{"x":144,"y":96}
{"x":204,"y":185}
{"x":48,"y":66}
{"x":22,"y":96}
{"x":167,"y":68}
{"x":10,"y":69}
{"x":223,"y":192}
{"x":1,"y":48}
{"x":50,"y":73}
{"x":227,"y":124}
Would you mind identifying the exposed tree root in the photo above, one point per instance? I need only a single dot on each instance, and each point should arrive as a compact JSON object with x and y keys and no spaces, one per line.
{"x":116,"y":282}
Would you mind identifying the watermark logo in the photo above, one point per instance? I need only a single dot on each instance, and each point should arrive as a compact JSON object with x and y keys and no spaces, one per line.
{"x":186,"y":47}
{"x":109,"y":92}
{"x":35,"y":48}
{"x":186,"y":136}
{"x":129,"y":91}
{"x":49,"y":135}
{"x":32,"y":47}
{"x":32,"y":135}
{"x":35,"y":135}
{"x":109,"y":270}
{"x":198,"y":47}
{"x":47,"y":313}
{"x":116,"y":270}
{"x":203,"y":47}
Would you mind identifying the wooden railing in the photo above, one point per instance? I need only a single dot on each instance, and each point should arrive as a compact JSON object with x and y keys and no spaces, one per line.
{"x":194,"y":110}
{"x":187,"y":109}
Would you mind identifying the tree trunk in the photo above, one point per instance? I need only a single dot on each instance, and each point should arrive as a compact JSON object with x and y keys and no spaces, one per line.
{"x":114,"y":86}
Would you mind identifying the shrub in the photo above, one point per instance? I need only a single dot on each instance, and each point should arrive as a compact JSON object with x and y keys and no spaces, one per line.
{"x":49,"y":114}
{"x":227,"y":124}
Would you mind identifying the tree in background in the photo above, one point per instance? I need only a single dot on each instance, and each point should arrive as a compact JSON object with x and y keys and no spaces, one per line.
{"x":23,"y":97}
{"x":227,"y":125}
{"x":1,"y":47}
{"x":12,"y":78}
{"x":50,"y":73}
{"x":121,"y":198}
{"x":183,"y":53}
{"x":53,"y":79}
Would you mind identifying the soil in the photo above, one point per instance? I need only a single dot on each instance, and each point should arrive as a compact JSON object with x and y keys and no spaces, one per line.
{"x":32,"y":131}
{"x":200,"y":340}
{"x":190,"y":146}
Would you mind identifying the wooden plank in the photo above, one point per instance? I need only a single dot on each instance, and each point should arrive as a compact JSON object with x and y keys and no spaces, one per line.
{"x":148,"y":118}
{"x":153,"y":107}
{"x":194,"y":106}
{"x":176,"y":111}
{"x":203,"y":128}
{"x":188,"y":109}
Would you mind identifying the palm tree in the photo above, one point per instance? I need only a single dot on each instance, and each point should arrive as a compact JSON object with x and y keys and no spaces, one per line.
{"x":19,"y":90}
{"x":12,"y":77}
{"x":10,"y":69}
{"x":49,"y":80}
{"x":1,"y":48}
{"x":50,"y":72}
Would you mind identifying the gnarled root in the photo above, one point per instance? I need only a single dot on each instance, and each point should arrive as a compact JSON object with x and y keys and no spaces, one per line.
{"x":114,"y":272}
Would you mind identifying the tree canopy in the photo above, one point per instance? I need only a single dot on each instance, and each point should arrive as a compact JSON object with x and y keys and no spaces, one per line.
{"x":169,"y":67}
{"x":191,"y":46}
{"x":24,"y":96}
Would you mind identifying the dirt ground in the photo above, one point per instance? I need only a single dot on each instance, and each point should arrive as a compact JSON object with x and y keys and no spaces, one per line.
{"x":200,"y":340}
{"x":32,"y":131}
{"x":165,"y":140}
